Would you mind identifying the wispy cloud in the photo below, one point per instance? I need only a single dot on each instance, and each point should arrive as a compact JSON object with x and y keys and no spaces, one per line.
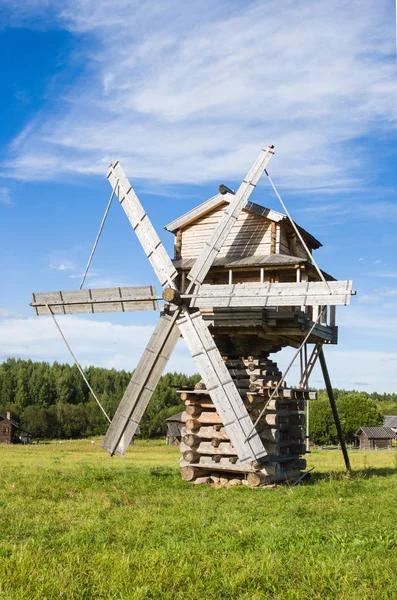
{"x":182,"y":95}
{"x":384,"y":275}
{"x":5,"y":196}
{"x":63,"y":266}
{"x":100,"y":343}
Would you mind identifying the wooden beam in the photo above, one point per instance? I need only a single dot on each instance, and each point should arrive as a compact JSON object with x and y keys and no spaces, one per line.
{"x":331,"y":397}
{"x":120,"y":299}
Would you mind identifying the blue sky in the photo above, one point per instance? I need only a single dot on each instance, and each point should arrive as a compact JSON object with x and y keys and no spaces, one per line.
{"x":184,"y":94}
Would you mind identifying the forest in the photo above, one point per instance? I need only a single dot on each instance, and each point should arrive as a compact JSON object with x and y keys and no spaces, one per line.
{"x":52,"y":401}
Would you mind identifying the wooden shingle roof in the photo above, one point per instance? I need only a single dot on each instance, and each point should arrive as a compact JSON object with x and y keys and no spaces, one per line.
{"x":390,"y":421}
{"x":378,"y":433}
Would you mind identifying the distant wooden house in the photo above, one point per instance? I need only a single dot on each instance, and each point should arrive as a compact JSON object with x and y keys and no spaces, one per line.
{"x":11,"y":432}
{"x":375,"y":438}
{"x":174,"y":429}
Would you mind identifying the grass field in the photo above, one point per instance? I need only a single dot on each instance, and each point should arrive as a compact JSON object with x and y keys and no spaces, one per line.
{"x":76,"y":524}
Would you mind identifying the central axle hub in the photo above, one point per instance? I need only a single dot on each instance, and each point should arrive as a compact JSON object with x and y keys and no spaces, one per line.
{"x":172,"y":296}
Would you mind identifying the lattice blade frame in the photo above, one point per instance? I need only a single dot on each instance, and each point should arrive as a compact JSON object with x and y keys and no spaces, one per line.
{"x":142,"y":226}
{"x":142,"y":385}
{"x":208,"y":254}
{"x":308,"y":293}
{"x":220,"y":386}
{"x":120,"y":299}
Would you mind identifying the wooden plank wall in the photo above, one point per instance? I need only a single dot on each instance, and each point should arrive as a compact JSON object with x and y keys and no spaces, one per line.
{"x":5,"y":432}
{"x":250,"y":235}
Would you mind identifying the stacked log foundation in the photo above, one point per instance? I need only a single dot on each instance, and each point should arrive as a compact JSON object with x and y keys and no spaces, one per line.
{"x":208,"y":455}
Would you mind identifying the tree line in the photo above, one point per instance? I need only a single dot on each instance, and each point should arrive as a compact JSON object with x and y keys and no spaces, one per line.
{"x":52,"y":401}
{"x":355,"y":409}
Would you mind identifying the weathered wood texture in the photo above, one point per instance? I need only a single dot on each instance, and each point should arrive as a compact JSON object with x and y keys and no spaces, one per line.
{"x":120,"y":299}
{"x":220,"y":386}
{"x":214,"y":244}
{"x":142,"y":385}
{"x":207,"y":448}
{"x":307,"y":293}
{"x":142,"y":226}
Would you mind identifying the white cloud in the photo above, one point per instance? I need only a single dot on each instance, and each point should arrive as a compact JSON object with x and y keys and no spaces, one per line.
{"x":386,"y":275}
{"x":103,"y":344}
{"x":64,"y":266}
{"x":355,"y":369}
{"x":189,"y":94}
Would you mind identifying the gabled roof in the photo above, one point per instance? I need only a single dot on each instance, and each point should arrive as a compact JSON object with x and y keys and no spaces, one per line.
{"x":208,"y":205}
{"x":379,"y":433}
{"x":14,"y":423}
{"x":390,"y":421}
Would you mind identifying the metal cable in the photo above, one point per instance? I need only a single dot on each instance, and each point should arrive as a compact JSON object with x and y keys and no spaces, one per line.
{"x":76,"y":362}
{"x":98,"y":235}
{"x":298,"y":233}
{"x":284,"y":376}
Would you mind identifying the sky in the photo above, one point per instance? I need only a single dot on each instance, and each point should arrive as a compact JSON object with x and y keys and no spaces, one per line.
{"x":185,"y":94}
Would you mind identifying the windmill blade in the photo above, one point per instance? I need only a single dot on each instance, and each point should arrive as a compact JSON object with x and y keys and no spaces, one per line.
{"x":220,"y":387}
{"x":142,"y":385}
{"x":308,"y":293}
{"x":232,"y":211}
{"x":120,"y":299}
{"x":144,"y":229}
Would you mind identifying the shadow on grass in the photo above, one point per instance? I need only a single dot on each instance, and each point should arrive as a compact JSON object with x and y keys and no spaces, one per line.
{"x":355,"y":474}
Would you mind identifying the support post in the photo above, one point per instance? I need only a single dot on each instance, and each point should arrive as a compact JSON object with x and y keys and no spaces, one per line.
{"x":331,"y":397}
{"x":307,"y":426}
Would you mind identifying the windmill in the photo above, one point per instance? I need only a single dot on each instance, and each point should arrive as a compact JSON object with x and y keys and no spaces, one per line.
{"x":190,"y":303}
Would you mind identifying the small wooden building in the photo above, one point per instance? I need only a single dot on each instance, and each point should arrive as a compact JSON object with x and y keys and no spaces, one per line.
{"x":375,"y":438}
{"x":11,"y":432}
{"x":174,"y":429}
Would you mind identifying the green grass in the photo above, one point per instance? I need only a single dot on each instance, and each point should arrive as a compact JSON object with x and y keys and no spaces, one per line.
{"x":76,"y":524}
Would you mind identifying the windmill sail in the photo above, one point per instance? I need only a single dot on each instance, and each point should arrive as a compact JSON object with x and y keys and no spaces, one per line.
{"x":221,"y":387}
{"x":308,"y":293}
{"x":142,"y":385}
{"x":144,"y":229}
{"x":232,"y":211}
{"x":120,"y":299}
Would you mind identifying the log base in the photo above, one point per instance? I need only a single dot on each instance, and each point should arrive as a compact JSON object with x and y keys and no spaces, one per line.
{"x":208,"y":456}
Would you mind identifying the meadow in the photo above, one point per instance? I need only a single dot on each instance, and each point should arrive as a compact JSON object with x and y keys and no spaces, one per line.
{"x":76,"y":524}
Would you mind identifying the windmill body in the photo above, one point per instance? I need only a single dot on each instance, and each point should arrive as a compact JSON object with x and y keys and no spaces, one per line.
{"x":241,"y":285}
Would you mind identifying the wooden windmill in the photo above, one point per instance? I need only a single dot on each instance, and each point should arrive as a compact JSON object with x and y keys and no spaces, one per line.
{"x":243,"y":284}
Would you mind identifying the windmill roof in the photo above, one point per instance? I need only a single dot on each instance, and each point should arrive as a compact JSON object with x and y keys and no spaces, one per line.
{"x":379,"y":433}
{"x":252,"y":207}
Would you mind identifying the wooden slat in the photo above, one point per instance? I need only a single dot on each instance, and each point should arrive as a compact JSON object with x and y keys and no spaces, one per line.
{"x":231,"y":213}
{"x":307,"y":293}
{"x":139,"y":220}
{"x":121,"y":299}
{"x":142,"y":385}
{"x":220,"y":386}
